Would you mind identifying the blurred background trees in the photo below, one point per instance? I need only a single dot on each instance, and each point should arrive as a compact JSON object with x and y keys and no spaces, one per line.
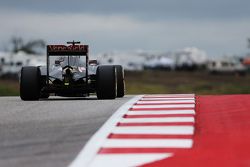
{"x":35,"y":46}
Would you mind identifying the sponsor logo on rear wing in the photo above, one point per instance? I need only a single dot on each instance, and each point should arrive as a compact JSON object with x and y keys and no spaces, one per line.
{"x":67,"y":50}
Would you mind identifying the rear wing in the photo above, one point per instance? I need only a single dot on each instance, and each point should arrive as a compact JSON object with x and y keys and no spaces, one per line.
{"x":54,"y":50}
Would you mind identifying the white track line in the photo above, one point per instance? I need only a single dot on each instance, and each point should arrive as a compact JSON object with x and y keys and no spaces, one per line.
{"x":165,"y":106}
{"x":126,"y":160}
{"x":147,"y":143}
{"x":160,"y":112}
{"x":166,"y":130}
{"x":169,"y":95}
{"x":168,"y":98}
{"x":92,"y":147}
{"x":166,"y":101}
{"x":157,"y":120}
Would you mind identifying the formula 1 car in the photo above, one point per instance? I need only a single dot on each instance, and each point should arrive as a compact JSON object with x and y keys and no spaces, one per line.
{"x":70,"y":73}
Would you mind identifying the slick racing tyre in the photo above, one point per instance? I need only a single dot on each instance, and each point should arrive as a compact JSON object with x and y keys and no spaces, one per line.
{"x":30,"y":83}
{"x":106,"y":82}
{"x":120,"y":81}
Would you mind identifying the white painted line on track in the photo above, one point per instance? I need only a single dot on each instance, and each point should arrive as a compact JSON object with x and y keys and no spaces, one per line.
{"x":157,"y":120}
{"x":165,"y":106}
{"x":160,"y":112}
{"x":168,"y":98}
{"x":126,"y":160}
{"x":147,"y":143}
{"x":92,"y":147}
{"x":168,"y":130}
{"x":169,"y":95}
{"x":166,"y":101}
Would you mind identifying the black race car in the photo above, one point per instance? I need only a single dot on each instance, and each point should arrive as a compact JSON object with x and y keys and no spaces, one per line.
{"x":70,"y":73}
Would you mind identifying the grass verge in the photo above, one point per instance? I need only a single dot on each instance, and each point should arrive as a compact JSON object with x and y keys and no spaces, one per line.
{"x":150,"y":82}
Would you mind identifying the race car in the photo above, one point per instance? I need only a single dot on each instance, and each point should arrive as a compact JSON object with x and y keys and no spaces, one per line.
{"x":70,"y":73}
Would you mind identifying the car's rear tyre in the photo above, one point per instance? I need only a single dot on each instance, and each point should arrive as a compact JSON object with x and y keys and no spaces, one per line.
{"x":30,"y":83}
{"x":120,"y":81}
{"x":106,"y":82}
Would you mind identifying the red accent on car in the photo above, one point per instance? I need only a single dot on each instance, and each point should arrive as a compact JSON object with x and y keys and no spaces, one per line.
{"x":64,"y":48}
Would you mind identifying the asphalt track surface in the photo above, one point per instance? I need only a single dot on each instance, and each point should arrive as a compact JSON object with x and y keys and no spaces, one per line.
{"x":49,"y":132}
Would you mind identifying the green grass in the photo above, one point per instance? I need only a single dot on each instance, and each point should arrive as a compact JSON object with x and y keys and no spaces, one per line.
{"x":186,"y":82}
{"x":149,"y":82}
{"x":9,"y":88}
{"x":138,"y":88}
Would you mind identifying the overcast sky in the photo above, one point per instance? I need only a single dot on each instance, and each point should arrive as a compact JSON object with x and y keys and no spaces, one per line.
{"x":217,"y":26}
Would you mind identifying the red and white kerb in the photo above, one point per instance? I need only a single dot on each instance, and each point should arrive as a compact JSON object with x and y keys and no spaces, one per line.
{"x":148,"y":128}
